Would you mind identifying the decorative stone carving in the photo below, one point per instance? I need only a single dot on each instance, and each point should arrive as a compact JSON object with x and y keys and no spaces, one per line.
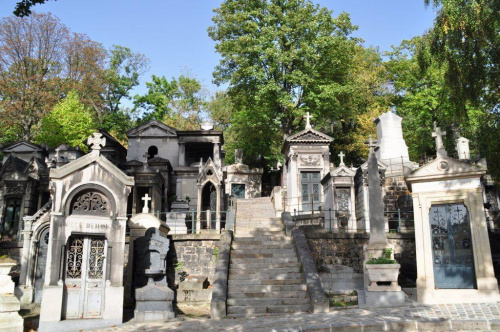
{"x":309,"y":160}
{"x":90,"y":203}
{"x":96,"y":141}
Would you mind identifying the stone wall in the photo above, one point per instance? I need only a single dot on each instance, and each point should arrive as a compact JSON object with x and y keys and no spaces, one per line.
{"x":190,"y":255}
{"x":347,"y":249}
{"x":397,"y":196}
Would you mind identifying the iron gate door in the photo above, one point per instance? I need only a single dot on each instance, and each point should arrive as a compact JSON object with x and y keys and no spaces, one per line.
{"x":85,"y":277}
{"x":41,"y":261}
{"x":452,"y":246}
{"x":311,"y":190}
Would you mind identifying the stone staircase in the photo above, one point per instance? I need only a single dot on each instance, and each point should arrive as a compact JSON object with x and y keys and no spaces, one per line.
{"x":265,"y":276}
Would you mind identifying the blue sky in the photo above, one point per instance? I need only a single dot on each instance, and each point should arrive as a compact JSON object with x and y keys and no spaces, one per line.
{"x":173,"y":34}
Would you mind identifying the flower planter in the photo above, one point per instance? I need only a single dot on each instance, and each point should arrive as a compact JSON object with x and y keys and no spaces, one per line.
{"x":383,"y":273}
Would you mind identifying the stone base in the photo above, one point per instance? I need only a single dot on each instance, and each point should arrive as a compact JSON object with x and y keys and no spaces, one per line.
{"x":10,"y":320}
{"x":144,"y":316}
{"x":77,"y":324}
{"x":177,"y":227}
{"x":25,"y":294}
{"x":367,"y":299}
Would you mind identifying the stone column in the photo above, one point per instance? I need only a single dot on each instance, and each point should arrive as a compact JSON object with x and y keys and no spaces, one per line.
{"x":216,"y":154}
{"x":182,"y":153}
{"x":217,"y":212}
{"x":377,"y":220}
{"x":198,"y":211}
{"x":25,"y":258}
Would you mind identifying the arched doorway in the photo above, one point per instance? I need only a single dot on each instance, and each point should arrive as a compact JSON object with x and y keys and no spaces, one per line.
{"x":208,"y":205}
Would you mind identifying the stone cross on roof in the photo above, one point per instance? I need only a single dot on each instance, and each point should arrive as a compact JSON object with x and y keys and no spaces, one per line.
{"x":308,"y":123}
{"x":96,"y":142}
{"x":57,"y":154}
{"x":372,"y":144}
{"x":341,"y":155}
{"x":145,"y":156}
{"x":146,"y":199}
{"x":438,"y":135}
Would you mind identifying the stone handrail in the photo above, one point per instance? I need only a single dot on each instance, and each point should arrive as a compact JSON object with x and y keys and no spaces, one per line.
{"x":40,"y":212}
{"x":315,"y":290}
{"x":218,"y":305}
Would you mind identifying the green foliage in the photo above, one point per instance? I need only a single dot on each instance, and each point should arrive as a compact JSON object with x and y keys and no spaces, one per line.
{"x":70,"y":122}
{"x":23,"y":7}
{"x":385,"y":259}
{"x":179,"y":102}
{"x":465,"y":36}
{"x":282,"y":59}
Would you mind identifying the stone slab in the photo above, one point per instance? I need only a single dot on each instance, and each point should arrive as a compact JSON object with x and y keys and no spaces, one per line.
{"x":381,"y":299}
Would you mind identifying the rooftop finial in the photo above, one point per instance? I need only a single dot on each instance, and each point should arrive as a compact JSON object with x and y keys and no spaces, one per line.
{"x":308,"y":122}
{"x":96,"y":142}
{"x":341,"y":155}
{"x":438,"y":135}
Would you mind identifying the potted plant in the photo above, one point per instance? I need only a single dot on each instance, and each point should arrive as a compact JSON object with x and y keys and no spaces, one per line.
{"x":383,"y":272}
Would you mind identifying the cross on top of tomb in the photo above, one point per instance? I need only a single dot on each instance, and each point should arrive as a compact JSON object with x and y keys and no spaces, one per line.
{"x":308,"y":123}
{"x":96,"y":142}
{"x":57,"y":153}
{"x":438,"y":135}
{"x":341,"y":155}
{"x":146,"y":200}
{"x":146,"y":157}
{"x":372,"y":144}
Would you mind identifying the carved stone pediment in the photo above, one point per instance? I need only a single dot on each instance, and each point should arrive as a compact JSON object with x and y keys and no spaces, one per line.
{"x":445,"y":167}
{"x":310,"y":160}
{"x":152,"y":128}
{"x":308,"y":136}
{"x":343,"y":171}
{"x":22,"y":147}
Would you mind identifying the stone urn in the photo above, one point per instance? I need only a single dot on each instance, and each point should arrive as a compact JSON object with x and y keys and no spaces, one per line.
{"x":383,"y":277}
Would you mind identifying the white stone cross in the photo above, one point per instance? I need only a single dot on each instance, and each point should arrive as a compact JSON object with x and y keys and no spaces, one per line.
{"x":341,"y":155}
{"x":96,"y":141}
{"x":438,"y":135}
{"x":308,"y":123}
{"x":145,"y":156}
{"x":146,"y":200}
{"x":57,"y":154}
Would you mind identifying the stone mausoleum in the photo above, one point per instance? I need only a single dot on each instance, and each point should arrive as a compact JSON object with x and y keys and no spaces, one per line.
{"x":142,"y":228}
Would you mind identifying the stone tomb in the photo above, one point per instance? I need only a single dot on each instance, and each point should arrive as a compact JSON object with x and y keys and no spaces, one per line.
{"x":338,"y":188}
{"x":153,"y":298}
{"x":241,"y":181}
{"x":307,"y":161}
{"x":454,"y":263}
{"x":84,"y":270}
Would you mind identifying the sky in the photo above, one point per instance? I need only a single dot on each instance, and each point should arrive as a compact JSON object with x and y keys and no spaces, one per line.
{"x":173,"y":33}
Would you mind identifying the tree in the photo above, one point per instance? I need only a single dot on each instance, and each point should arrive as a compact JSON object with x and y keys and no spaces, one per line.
{"x":179,"y":103}
{"x":31,"y":59}
{"x":70,"y":122}
{"x":23,"y":8}
{"x":465,"y":35}
{"x":282,"y":59}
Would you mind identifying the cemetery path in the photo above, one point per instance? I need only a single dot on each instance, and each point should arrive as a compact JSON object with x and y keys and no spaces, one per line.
{"x":445,"y":317}
{"x":264,"y":273}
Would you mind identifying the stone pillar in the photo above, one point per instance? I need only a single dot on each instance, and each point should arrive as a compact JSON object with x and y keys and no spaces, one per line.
{"x":216,"y":154}
{"x":198,"y":211}
{"x":25,"y":258}
{"x":182,"y":154}
{"x":217,"y":212}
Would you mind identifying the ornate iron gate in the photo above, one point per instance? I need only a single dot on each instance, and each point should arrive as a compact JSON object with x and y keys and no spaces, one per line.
{"x":311,"y":190}
{"x":452,"y":246}
{"x":85,"y":277}
{"x":238,"y":190}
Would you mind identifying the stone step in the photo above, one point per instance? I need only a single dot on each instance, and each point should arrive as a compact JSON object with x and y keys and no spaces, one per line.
{"x":265,"y":255}
{"x":280,"y":294}
{"x":267,"y":301}
{"x":252,"y":233}
{"x":264,"y":260}
{"x":258,"y":229}
{"x":264,"y":250}
{"x":274,"y":237}
{"x":268,"y":245}
{"x":281,"y":309}
{"x":258,"y":223}
{"x":265,"y":282}
{"x":237,"y":289}
{"x":266,"y":276}
{"x":253,"y":273}
{"x":261,"y":266}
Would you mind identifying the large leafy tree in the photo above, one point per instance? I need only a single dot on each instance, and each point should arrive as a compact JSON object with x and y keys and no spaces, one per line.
{"x":70,"y":122}
{"x":466,"y":35}
{"x":282,"y":59}
{"x":179,"y":102}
